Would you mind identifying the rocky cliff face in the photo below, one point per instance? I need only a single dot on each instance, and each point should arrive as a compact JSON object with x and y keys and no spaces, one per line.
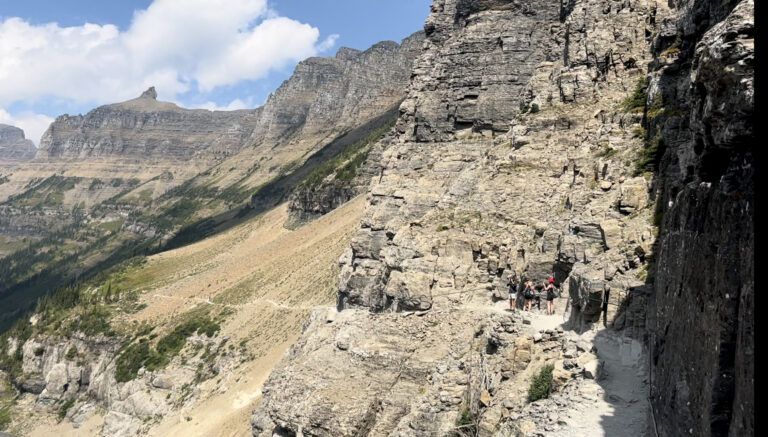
{"x":13,"y":146}
{"x":340,"y":92}
{"x":144,"y":128}
{"x":702,"y":335}
{"x":518,"y":151}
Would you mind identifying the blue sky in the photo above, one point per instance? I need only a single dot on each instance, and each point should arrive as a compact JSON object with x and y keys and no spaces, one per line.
{"x":198,"y":53}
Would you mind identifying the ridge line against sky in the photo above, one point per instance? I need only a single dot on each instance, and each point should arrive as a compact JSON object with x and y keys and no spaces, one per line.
{"x":70,"y":56}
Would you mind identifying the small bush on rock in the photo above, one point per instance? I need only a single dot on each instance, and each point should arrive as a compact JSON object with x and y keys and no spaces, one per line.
{"x":541,"y":384}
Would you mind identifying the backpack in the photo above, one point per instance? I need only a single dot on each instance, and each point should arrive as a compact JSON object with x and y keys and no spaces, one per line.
{"x":528,"y":293}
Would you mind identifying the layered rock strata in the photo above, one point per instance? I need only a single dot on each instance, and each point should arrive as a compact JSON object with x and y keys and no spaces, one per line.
{"x":338,"y":92}
{"x":702,"y":330}
{"x":515,"y":153}
{"x":145,"y":128}
{"x":14,"y":146}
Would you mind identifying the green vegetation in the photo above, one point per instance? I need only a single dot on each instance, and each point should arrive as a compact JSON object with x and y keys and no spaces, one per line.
{"x":674,"y":48}
{"x":46,"y":193}
{"x":3,"y":179}
{"x":72,"y":353}
{"x":649,"y":157}
{"x":344,"y":165}
{"x":111,"y":226}
{"x":465,"y":423}
{"x":91,"y":321}
{"x":607,"y":152}
{"x":64,"y":407}
{"x":142,"y":354}
{"x":636,"y":100}
{"x":541,"y":384}
{"x":5,"y":416}
{"x":95,"y":184}
{"x":657,"y":105}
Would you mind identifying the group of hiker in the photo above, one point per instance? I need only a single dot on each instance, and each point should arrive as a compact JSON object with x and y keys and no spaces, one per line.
{"x":531,"y":293}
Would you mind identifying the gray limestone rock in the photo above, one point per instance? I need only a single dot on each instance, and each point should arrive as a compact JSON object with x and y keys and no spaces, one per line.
{"x":14,"y":147}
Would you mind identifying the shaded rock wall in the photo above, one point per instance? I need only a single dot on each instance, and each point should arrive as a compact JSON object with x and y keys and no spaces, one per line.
{"x":702,"y":311}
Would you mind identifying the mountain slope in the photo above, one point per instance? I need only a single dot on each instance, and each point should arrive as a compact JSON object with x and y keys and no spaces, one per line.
{"x":533,"y":142}
{"x":260,"y":279}
{"x":126,"y":178}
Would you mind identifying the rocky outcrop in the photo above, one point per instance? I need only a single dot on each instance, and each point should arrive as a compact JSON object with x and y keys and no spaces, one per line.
{"x":80,"y":371}
{"x":513,"y":154}
{"x":13,"y":146}
{"x":338,"y":93}
{"x":703,"y":306}
{"x":537,"y":186}
{"x":425,"y":373}
{"x":145,"y":128}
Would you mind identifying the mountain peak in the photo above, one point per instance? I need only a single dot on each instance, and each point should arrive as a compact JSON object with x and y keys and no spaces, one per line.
{"x":150,"y":93}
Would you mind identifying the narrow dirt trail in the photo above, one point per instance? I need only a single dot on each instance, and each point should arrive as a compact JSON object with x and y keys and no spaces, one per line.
{"x":614,"y":405}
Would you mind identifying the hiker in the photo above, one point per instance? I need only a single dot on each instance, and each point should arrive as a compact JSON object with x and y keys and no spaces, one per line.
{"x":512,"y":283}
{"x":550,"y":290}
{"x":528,"y":295}
{"x":537,"y":296}
{"x":521,"y":292}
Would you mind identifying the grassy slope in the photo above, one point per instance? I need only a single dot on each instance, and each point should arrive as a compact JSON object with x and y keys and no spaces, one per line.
{"x":266,"y":277}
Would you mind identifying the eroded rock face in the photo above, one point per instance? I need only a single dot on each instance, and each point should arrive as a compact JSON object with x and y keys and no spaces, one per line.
{"x":513,"y":154}
{"x":404,"y":375}
{"x":339,"y":92}
{"x":532,"y":173}
{"x":704,"y":277}
{"x":145,"y":128}
{"x":82,"y":368}
{"x":14,"y":146}
{"x":325,"y":95}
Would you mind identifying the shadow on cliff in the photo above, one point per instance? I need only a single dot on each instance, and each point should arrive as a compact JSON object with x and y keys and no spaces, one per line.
{"x":277,"y":190}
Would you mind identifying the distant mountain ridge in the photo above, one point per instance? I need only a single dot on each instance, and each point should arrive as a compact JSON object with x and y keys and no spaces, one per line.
{"x":14,"y":146}
{"x":324,"y":94}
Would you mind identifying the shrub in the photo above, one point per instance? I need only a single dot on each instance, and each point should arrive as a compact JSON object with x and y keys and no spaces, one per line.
{"x":5,"y":416}
{"x":466,"y":422}
{"x":636,"y":100}
{"x":65,"y":407}
{"x":656,"y":106}
{"x":141,"y":354}
{"x":648,"y":158}
{"x":92,"y":321}
{"x":541,"y":384}
{"x":172,"y":343}
{"x":134,"y":357}
{"x":71,"y":353}
{"x":607,"y":152}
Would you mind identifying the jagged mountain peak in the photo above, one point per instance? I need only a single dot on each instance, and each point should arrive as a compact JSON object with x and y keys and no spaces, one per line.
{"x":150,"y":93}
{"x":347,"y":53}
{"x":13,"y":144}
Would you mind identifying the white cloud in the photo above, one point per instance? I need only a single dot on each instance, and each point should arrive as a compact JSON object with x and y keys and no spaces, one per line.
{"x":177,"y":46}
{"x":232,"y":106}
{"x":33,"y":124}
